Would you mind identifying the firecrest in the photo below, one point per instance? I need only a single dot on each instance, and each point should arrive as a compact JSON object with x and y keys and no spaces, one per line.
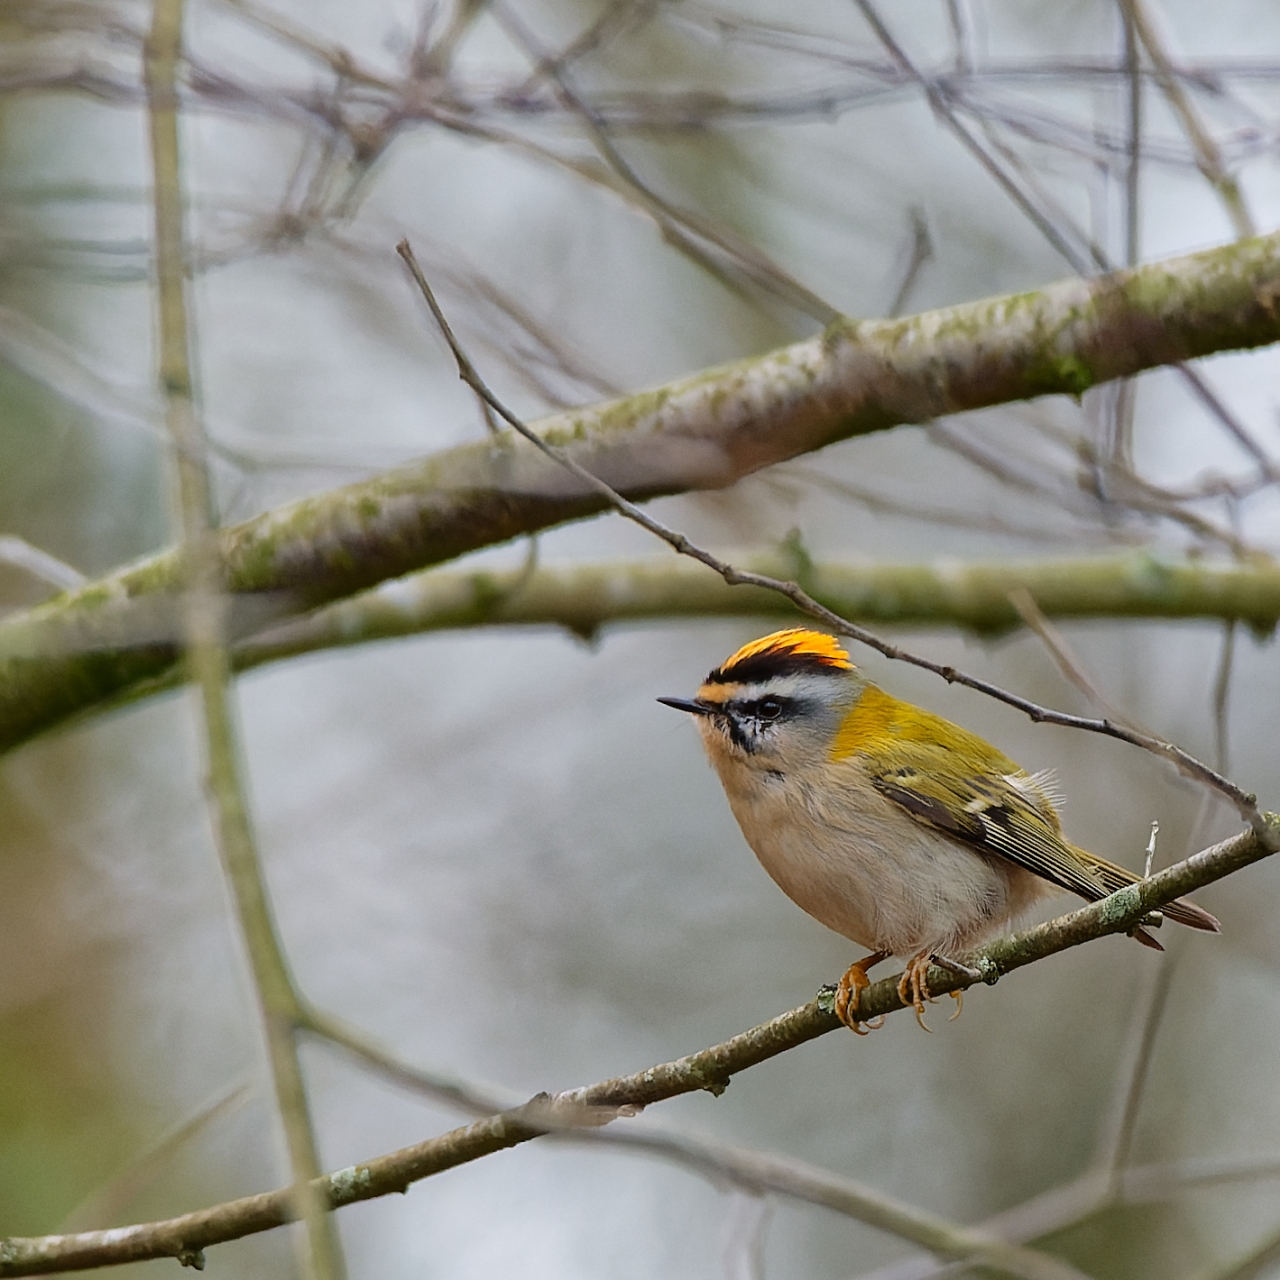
{"x":890,"y":825}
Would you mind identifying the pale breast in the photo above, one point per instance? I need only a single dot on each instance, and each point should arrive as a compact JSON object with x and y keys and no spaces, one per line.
{"x":858,"y":863}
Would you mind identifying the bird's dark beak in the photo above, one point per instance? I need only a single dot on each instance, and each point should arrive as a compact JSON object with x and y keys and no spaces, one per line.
{"x":691,"y":705}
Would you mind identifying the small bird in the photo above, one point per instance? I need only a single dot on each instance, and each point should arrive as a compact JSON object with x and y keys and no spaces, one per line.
{"x":890,"y":825}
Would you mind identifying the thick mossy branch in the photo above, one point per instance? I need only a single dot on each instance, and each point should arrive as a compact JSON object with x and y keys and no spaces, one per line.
{"x":709,"y":1070}
{"x":968,"y":594}
{"x":702,"y":432}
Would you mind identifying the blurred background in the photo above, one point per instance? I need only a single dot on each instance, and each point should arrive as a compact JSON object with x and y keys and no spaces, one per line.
{"x":493,"y":850}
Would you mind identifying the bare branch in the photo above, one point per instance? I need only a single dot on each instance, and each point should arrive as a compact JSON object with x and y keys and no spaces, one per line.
{"x":702,"y":432}
{"x":755,"y":1171}
{"x":1092,"y":1193}
{"x":1117,"y":1143}
{"x":1052,"y":222}
{"x":709,"y":1070}
{"x":967,"y":594}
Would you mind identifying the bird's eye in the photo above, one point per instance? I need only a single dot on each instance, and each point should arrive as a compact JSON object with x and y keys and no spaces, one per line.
{"x":769,"y":708}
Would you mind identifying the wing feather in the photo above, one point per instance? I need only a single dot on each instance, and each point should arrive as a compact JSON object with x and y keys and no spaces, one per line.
{"x":995,"y":816}
{"x":955,"y":782}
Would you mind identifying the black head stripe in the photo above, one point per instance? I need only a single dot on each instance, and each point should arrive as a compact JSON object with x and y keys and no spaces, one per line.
{"x":760,"y":667}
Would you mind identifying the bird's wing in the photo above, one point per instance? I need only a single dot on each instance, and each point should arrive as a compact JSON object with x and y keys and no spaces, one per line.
{"x":994,"y":815}
{"x":955,"y":782}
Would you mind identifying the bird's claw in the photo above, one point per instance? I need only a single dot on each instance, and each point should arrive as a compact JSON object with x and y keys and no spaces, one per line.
{"x":849,"y":993}
{"x":913,"y":988}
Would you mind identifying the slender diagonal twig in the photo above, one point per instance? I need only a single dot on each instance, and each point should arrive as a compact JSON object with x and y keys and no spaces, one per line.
{"x":1065,"y":657}
{"x":1245,"y":802}
{"x":613,"y":19}
{"x":39,"y":564}
{"x":1092,"y":1193}
{"x":107,"y":1202}
{"x":1208,"y":158}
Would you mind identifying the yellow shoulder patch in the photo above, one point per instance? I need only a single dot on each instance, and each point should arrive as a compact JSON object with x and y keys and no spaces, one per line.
{"x":796,"y":642}
{"x":868,"y":720}
{"x":884,"y":729}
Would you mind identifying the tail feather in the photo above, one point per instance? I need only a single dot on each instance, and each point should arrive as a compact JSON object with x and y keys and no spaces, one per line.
{"x":1182,"y":910}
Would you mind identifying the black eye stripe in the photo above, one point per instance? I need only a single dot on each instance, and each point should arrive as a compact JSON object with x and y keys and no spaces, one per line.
{"x":770,"y":707}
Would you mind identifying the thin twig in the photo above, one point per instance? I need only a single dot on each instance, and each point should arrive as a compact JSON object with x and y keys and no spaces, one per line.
{"x":681,"y":227}
{"x":1117,"y":1143}
{"x":1244,"y":801}
{"x":749,"y":1220}
{"x":1208,"y":158}
{"x":1072,"y":668}
{"x":920,"y":253}
{"x":1092,"y":1193}
{"x":781,"y":1175}
{"x":953,"y":122}
{"x":1065,"y":658}
{"x":39,"y":564}
{"x":613,"y":19}
{"x":1133,"y":170}
{"x":106,"y":1203}
{"x":1123,"y":402}
{"x":1222,"y":698}
{"x":961,"y":35}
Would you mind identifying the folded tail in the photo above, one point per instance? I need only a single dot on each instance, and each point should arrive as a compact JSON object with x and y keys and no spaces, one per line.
{"x":1181,"y":910}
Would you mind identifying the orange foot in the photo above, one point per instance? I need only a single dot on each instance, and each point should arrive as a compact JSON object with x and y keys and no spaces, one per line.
{"x":912,"y":987}
{"x":850,"y":990}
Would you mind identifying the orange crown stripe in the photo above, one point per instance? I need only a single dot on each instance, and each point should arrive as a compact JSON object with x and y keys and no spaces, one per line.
{"x":796,"y":642}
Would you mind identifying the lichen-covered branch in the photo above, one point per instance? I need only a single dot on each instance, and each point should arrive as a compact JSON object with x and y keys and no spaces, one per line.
{"x":969,"y":594}
{"x":1102,"y":1187}
{"x":701,"y":432}
{"x":710,"y":1070}
{"x":759,"y":1172}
